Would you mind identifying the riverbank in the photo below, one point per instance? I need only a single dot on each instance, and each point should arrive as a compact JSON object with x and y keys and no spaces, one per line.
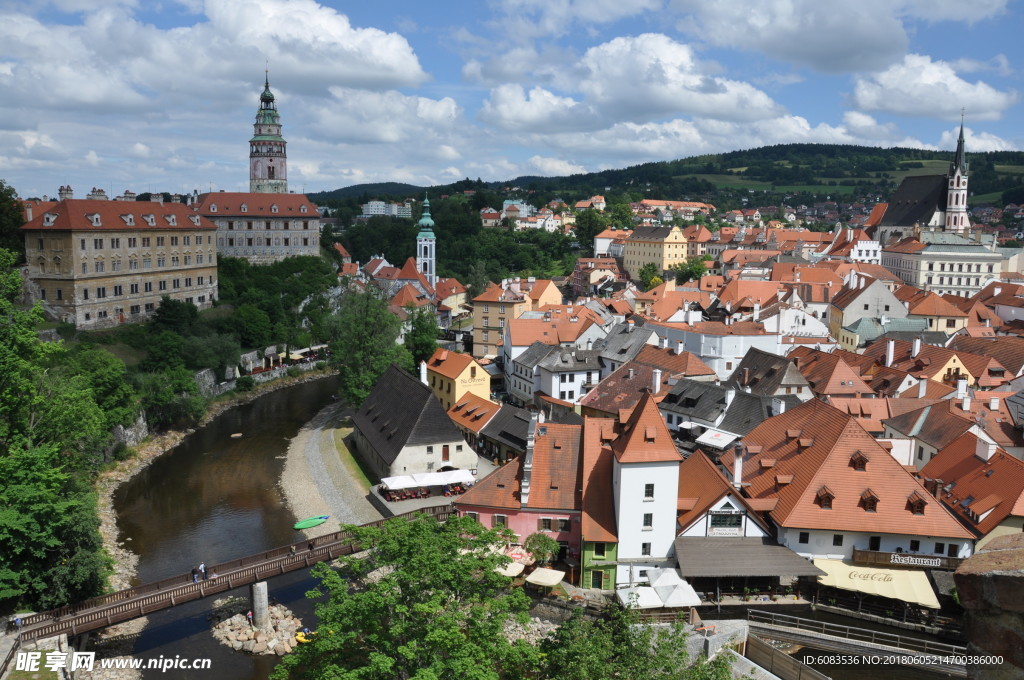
{"x":316,"y":481}
{"x":124,"y":560}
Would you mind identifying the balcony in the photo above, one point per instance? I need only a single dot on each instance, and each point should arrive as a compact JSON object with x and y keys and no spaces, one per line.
{"x":877,"y":558}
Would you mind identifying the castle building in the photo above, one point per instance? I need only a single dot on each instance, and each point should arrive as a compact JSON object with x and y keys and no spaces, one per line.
{"x":98,"y":263}
{"x":262,"y":227}
{"x":268,"y":162}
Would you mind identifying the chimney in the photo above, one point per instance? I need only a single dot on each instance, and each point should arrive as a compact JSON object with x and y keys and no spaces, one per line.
{"x":631,"y":372}
{"x":961,"y":388}
{"x":590,"y":343}
{"x":938,"y":484}
{"x":28,"y":212}
{"x":745,"y":377}
{"x":966,"y":403}
{"x":656,"y":381}
{"x":984,"y":449}
{"x":423,"y":372}
{"x":737,"y":467}
{"x":988,"y":321}
{"x":993,"y":403}
{"x":757,"y":311}
{"x":730,"y":394}
{"x":890,"y":351}
{"x":916,"y":347}
{"x":662,"y":342}
{"x":778,"y":406}
{"x":629,"y":326}
{"x":679,"y":347}
{"x":922,"y":388}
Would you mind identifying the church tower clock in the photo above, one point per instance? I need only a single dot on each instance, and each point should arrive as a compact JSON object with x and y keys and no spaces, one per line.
{"x":268,"y":163}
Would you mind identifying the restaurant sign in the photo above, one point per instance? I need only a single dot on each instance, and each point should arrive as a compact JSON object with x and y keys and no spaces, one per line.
{"x":914,"y":560}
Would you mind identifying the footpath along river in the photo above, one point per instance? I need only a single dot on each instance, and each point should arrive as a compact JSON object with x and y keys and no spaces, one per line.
{"x":213,"y":498}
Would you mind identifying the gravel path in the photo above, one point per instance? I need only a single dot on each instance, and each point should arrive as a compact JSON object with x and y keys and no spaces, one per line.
{"x":315,"y":481}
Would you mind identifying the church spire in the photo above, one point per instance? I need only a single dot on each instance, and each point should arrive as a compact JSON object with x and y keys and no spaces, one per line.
{"x":426,"y":245}
{"x":959,"y":161}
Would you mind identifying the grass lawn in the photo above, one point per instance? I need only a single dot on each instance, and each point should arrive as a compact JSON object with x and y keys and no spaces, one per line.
{"x":352,"y":464}
{"x":129,"y":355}
{"x":33,"y":675}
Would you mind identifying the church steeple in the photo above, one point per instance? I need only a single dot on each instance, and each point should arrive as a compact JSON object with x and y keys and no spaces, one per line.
{"x":426,"y":245}
{"x":956,"y":194}
{"x":268,"y":168}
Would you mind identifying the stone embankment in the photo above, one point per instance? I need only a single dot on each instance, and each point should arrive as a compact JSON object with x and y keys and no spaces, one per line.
{"x":233,"y":629}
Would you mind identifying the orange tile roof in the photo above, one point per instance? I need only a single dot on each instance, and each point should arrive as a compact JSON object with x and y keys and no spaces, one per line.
{"x":448,"y":363}
{"x":74,"y":214}
{"x":472,"y":412}
{"x":525,"y":332}
{"x":229,"y":203}
{"x":995,"y":486}
{"x":409,"y":295}
{"x":738,"y":290}
{"x":448,"y":287}
{"x":701,"y":481}
{"x":644,"y":436}
{"x":828,"y":374}
{"x":598,"y":521}
{"x":819,"y":457}
{"x":340,"y":249}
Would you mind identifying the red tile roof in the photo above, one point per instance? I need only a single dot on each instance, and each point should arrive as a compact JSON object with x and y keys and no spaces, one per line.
{"x":448,"y":363}
{"x":598,"y":502}
{"x":77,"y":214}
{"x":819,"y":457}
{"x":701,"y":481}
{"x":644,"y":436}
{"x":472,"y":412}
{"x":229,"y":203}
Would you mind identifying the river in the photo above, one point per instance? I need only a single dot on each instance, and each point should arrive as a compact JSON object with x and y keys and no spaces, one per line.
{"x":213,"y":498}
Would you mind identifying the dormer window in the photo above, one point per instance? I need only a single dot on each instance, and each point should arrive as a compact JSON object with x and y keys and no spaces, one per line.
{"x":824,"y":498}
{"x":95,"y":219}
{"x":916,"y":503}
{"x":273,"y":208}
{"x":213,"y":207}
{"x":49,"y":219}
{"x":302,"y":209}
{"x":869,"y":501}
{"x":150,"y":220}
{"x":172,"y":220}
{"x":195,"y":221}
{"x":859,"y":461}
{"x":245,"y":208}
{"x":129,"y":220}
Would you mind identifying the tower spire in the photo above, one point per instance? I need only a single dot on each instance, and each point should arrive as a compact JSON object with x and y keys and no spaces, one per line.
{"x":959,"y":161}
{"x":426,"y":245}
{"x":268,"y":170}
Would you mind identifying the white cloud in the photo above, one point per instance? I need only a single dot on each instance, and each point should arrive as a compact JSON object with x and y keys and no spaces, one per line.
{"x":361,"y":117}
{"x":975,"y":142}
{"x":92,"y":158}
{"x":140,"y":150}
{"x":833,"y":37}
{"x":918,"y":86}
{"x":554,"y":166}
{"x":998,"y":64}
{"x":510,"y":107}
{"x":560,"y":17}
{"x":650,"y":76}
{"x":866,"y":127}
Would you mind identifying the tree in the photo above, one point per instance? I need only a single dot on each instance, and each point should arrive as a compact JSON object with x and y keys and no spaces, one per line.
{"x":541,"y":546}
{"x":254,"y":327}
{"x":421,"y":338}
{"x":690,"y":270}
{"x":476,"y":280}
{"x":589,"y":224}
{"x":12,"y":217}
{"x":424,"y":602}
{"x":362,"y":338}
{"x":647,"y":274}
{"x":171,"y":398}
{"x":175,"y":315}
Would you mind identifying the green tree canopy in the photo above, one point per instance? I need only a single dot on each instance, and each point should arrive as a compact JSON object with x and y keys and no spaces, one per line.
{"x":421,"y":338}
{"x":691,"y":270}
{"x":12,"y":217}
{"x":362,"y":338}
{"x":647,"y":274}
{"x":541,"y":546}
{"x":589,"y":224}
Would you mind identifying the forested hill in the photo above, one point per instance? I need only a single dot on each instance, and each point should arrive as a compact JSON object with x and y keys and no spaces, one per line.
{"x":784,"y":168}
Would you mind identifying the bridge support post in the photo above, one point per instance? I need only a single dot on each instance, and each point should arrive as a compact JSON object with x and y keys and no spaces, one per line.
{"x":260,"y":606}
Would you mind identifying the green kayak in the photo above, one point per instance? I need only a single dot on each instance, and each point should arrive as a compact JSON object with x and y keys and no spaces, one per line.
{"x":311,"y":522}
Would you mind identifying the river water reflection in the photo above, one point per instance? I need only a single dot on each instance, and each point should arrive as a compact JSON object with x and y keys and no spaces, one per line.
{"x":214,"y":498}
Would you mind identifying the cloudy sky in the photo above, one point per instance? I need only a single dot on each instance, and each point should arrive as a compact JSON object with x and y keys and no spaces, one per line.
{"x":161,"y":94}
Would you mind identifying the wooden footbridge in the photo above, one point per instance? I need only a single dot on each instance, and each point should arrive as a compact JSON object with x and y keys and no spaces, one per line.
{"x":132,"y":603}
{"x":890,"y":649}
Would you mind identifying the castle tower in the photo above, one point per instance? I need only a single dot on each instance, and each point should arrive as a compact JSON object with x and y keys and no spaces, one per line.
{"x":426,"y":246}
{"x":268,"y":168}
{"x":956,"y":197}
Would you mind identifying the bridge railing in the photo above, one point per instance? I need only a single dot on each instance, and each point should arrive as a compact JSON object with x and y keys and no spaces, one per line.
{"x":131,"y":597}
{"x":856,"y":634}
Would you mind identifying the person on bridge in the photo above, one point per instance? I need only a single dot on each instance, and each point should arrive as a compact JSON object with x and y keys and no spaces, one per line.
{"x":202,"y":569}
{"x":291,"y":550}
{"x":311,"y":546}
{"x":195,"y":575}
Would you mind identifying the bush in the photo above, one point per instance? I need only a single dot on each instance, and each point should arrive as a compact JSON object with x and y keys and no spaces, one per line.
{"x":321,"y":365}
{"x":66,"y":330}
{"x":245,"y":383}
{"x":293,"y":371}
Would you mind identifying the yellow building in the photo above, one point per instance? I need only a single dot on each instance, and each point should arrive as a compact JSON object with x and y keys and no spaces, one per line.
{"x":493,"y":308}
{"x":98,"y":263}
{"x":660,"y":246}
{"x":452,"y":375}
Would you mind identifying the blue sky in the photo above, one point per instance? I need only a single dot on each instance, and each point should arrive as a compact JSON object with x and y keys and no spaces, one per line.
{"x":161,"y":94}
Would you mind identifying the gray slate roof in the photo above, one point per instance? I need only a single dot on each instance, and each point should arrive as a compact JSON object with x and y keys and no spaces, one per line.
{"x":871,"y":329}
{"x":401,"y":411}
{"x":534,"y":354}
{"x":706,"y":401}
{"x":739,"y":556}
{"x":765,"y":373}
{"x":509,"y":427}
{"x":569,"y":359}
{"x":622,"y":344}
{"x":916,"y":200}
{"x":747,"y":411}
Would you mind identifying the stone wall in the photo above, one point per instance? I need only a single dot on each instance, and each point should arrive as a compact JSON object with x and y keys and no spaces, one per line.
{"x":134,"y":433}
{"x":990,"y":586}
